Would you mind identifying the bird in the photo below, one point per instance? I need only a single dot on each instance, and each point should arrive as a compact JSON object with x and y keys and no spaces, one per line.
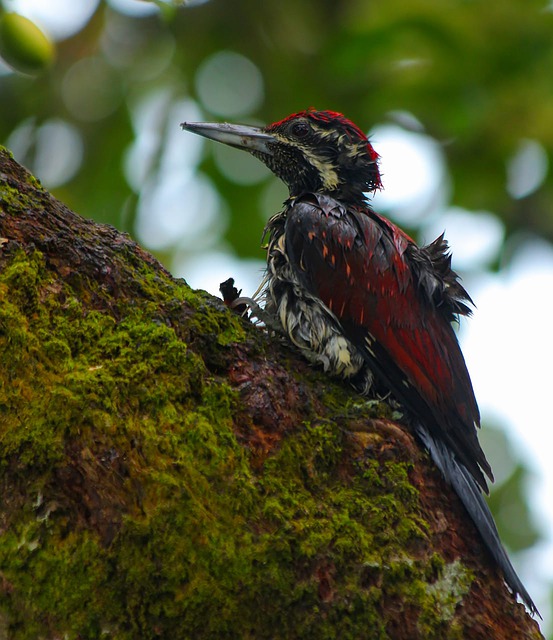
{"x":357,"y":296}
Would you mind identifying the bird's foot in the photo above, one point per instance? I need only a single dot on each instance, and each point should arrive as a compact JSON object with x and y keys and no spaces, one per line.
{"x":247,"y":307}
{"x":257,"y":312}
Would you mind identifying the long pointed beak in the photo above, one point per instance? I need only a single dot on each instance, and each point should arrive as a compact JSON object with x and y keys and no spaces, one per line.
{"x":235,"y":135}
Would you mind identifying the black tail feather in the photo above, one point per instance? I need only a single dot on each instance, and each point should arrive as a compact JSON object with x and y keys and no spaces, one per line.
{"x":471,"y":496}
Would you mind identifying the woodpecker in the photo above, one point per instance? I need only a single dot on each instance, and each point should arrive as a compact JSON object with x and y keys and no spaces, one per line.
{"x":356,"y":295}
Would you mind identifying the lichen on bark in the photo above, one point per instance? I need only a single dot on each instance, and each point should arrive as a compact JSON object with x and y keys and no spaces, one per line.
{"x":168,"y":471}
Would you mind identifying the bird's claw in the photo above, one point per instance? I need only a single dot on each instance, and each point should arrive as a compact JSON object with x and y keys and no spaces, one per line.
{"x":257,"y":312}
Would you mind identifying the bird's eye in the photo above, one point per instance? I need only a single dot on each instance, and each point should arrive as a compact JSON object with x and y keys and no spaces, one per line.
{"x":300,"y":129}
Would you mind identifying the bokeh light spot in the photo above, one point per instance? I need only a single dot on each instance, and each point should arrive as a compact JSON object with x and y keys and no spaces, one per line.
{"x":159,"y":143}
{"x":55,"y":168}
{"x":53,"y":151}
{"x":272,"y":198}
{"x":180,"y":210}
{"x":21,"y":140}
{"x":134,"y":8}
{"x":476,"y":235}
{"x":142,"y":57}
{"x":413,"y":172}
{"x":91,"y":89}
{"x":59,"y":18}
{"x":239,"y":167}
{"x":229,"y":85}
{"x":527,"y":169}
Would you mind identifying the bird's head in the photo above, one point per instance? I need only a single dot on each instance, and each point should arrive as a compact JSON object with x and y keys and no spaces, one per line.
{"x":319,"y":151}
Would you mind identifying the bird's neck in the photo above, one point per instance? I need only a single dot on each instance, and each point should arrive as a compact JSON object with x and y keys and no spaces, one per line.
{"x":347,"y":195}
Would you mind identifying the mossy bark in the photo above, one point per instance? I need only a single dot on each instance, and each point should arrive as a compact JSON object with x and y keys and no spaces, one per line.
{"x":169,"y":471}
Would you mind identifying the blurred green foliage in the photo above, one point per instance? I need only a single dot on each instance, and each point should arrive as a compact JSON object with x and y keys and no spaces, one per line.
{"x":476,"y":74}
{"x":508,"y":495}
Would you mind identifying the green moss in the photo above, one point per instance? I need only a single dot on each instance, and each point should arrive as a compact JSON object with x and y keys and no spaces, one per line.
{"x":9,"y":197}
{"x":444,"y":596}
{"x":64,"y":580}
{"x":208,"y":321}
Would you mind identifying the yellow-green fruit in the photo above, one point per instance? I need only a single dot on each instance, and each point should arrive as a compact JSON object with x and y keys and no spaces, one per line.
{"x":23,"y":45}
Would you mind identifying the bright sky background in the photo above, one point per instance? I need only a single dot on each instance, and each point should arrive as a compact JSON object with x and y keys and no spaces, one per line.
{"x":507,"y":344}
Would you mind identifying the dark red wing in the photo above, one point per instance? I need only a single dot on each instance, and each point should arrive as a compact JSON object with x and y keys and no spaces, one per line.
{"x":357,"y":263}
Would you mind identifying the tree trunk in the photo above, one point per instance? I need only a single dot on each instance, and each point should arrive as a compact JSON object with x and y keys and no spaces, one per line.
{"x":170,"y":471}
